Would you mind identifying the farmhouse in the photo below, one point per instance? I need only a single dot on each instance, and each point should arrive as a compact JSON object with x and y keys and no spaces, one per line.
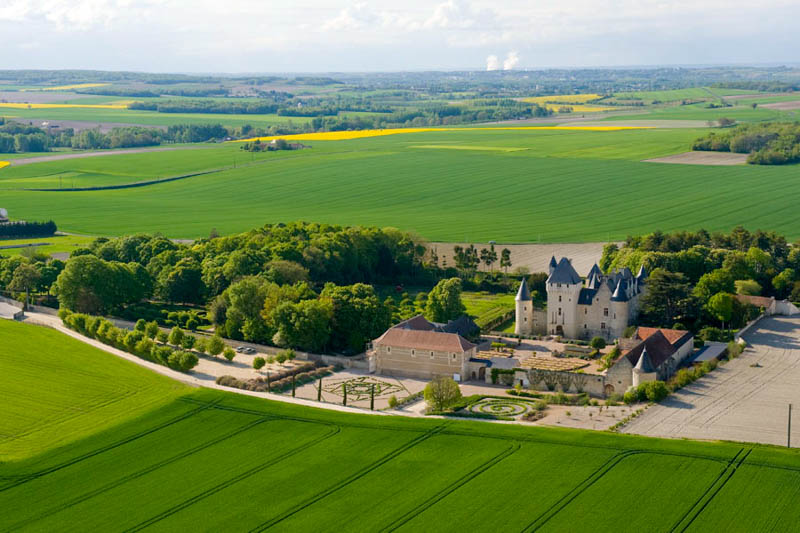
{"x":422,"y":349}
{"x":651,"y":354}
{"x":770,"y":305}
{"x":600,"y":306}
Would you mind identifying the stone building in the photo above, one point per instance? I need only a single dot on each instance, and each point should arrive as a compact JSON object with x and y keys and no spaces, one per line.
{"x":421,"y":349}
{"x":599,"y":306}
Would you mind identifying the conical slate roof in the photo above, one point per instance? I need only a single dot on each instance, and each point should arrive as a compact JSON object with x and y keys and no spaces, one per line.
{"x":564,"y":273}
{"x":523,"y":294}
{"x":553,"y":263}
{"x":592,"y":282}
{"x":595,"y":271}
{"x":645,"y":365}
{"x":642,"y":273}
{"x":620,"y":293}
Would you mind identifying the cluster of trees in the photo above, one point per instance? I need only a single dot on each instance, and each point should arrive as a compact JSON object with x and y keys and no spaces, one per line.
{"x":279,"y":144}
{"x":766,"y":86}
{"x":21,"y":275}
{"x":341,"y":318}
{"x":695,"y":275}
{"x":468,"y":260}
{"x":770,"y":143}
{"x":28,"y":229}
{"x":295,"y":285}
{"x":16,"y":137}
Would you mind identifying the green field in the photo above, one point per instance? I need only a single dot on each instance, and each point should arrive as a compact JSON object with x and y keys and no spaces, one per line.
{"x":57,"y":390}
{"x":44,"y":245}
{"x":150,"y":118}
{"x":81,"y":452}
{"x":562,"y":186}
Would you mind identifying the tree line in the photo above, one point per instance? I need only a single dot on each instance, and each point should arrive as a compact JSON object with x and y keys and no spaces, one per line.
{"x":27,"y":229}
{"x":695,"y":276}
{"x":770,"y":143}
{"x":19,"y":138}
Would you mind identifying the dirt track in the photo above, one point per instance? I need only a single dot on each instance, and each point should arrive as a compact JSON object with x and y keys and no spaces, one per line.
{"x":702,"y":158}
{"x":58,"y":157}
{"x":783,"y":106}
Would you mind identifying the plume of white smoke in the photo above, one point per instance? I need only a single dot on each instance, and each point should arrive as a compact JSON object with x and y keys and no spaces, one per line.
{"x":510,"y":61}
{"x":492,"y":63}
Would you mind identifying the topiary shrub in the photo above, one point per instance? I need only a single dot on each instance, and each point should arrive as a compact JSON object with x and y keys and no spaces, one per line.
{"x":228,"y":353}
{"x":259,"y":362}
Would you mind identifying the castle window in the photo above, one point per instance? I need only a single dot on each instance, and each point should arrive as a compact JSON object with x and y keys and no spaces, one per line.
{"x":615,"y":316}
{"x":584,"y":326}
{"x":388,"y":349}
{"x":605,"y":311}
{"x":525,"y":319}
{"x":559,"y":311}
{"x":431,"y":355}
{"x":413,"y":353}
{"x":602,"y":325}
{"x":454,"y":356}
{"x":559,"y":298}
{"x":585,"y":311}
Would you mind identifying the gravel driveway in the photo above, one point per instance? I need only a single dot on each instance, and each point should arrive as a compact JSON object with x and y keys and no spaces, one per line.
{"x":738,"y":401}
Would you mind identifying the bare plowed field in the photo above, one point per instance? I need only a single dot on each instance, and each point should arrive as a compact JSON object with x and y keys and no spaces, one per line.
{"x":535,"y":257}
{"x":783,"y":106}
{"x":702,"y":158}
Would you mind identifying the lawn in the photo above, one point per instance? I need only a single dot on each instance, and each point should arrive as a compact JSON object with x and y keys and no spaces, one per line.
{"x":562,"y":186}
{"x":44,"y":245}
{"x":171,"y":458}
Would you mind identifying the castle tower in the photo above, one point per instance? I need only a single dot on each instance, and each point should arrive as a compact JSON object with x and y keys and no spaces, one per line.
{"x":563,"y":288}
{"x":644,"y":371}
{"x":524,"y":314}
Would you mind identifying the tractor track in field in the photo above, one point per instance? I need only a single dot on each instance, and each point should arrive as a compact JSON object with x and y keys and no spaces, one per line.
{"x":463,"y":480}
{"x":702,"y":502}
{"x":576,"y":491}
{"x":348,"y":480}
{"x":231,"y":481}
{"x":130,"y":477}
{"x":111,"y":446}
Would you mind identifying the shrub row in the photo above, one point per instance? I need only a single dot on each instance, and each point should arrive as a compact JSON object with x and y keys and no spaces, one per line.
{"x":303,"y":374}
{"x":134,"y":342}
{"x":28,"y":229}
{"x":625,"y":420}
{"x":652,"y":391}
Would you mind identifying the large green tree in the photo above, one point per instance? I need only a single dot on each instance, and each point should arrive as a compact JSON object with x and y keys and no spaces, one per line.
{"x":444,"y":301}
{"x":667,"y":299}
{"x":26,"y":277}
{"x":358,"y":315}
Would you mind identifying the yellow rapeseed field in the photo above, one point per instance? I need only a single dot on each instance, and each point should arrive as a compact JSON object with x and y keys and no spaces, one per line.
{"x":576,"y":101}
{"x":21,"y":105}
{"x":358,"y":134}
{"x":4,"y":164}
{"x":67,"y":87}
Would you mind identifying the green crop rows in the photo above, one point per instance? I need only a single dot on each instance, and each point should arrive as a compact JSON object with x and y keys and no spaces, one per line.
{"x":213,"y":461}
{"x":565,"y":186}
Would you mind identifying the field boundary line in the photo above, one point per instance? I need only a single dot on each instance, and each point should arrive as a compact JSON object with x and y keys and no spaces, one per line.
{"x":138,"y":474}
{"x":716,"y":480}
{"x":460,"y":482}
{"x":712,"y":491}
{"x":573,"y":493}
{"x":232,"y":481}
{"x":111,"y":446}
{"x":348,"y":480}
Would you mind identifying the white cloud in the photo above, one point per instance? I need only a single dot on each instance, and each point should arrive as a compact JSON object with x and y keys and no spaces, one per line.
{"x":511,"y":61}
{"x":328,"y":35}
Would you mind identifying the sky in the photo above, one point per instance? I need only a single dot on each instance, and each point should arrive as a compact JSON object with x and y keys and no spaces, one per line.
{"x":216,"y":36}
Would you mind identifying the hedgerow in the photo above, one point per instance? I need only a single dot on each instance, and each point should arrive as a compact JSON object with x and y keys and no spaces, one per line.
{"x":134,"y":342}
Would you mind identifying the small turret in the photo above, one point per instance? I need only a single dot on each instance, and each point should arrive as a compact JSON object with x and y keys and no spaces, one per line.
{"x":644,"y":365}
{"x":553,"y":264}
{"x":523,"y":294}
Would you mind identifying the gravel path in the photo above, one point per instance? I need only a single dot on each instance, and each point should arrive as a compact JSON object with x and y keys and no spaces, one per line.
{"x":738,"y":401}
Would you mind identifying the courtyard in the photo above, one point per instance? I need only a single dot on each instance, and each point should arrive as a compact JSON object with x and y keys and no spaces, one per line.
{"x":746,"y":399}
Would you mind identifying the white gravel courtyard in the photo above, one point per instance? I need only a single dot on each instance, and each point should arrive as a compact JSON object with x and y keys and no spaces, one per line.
{"x":738,"y":401}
